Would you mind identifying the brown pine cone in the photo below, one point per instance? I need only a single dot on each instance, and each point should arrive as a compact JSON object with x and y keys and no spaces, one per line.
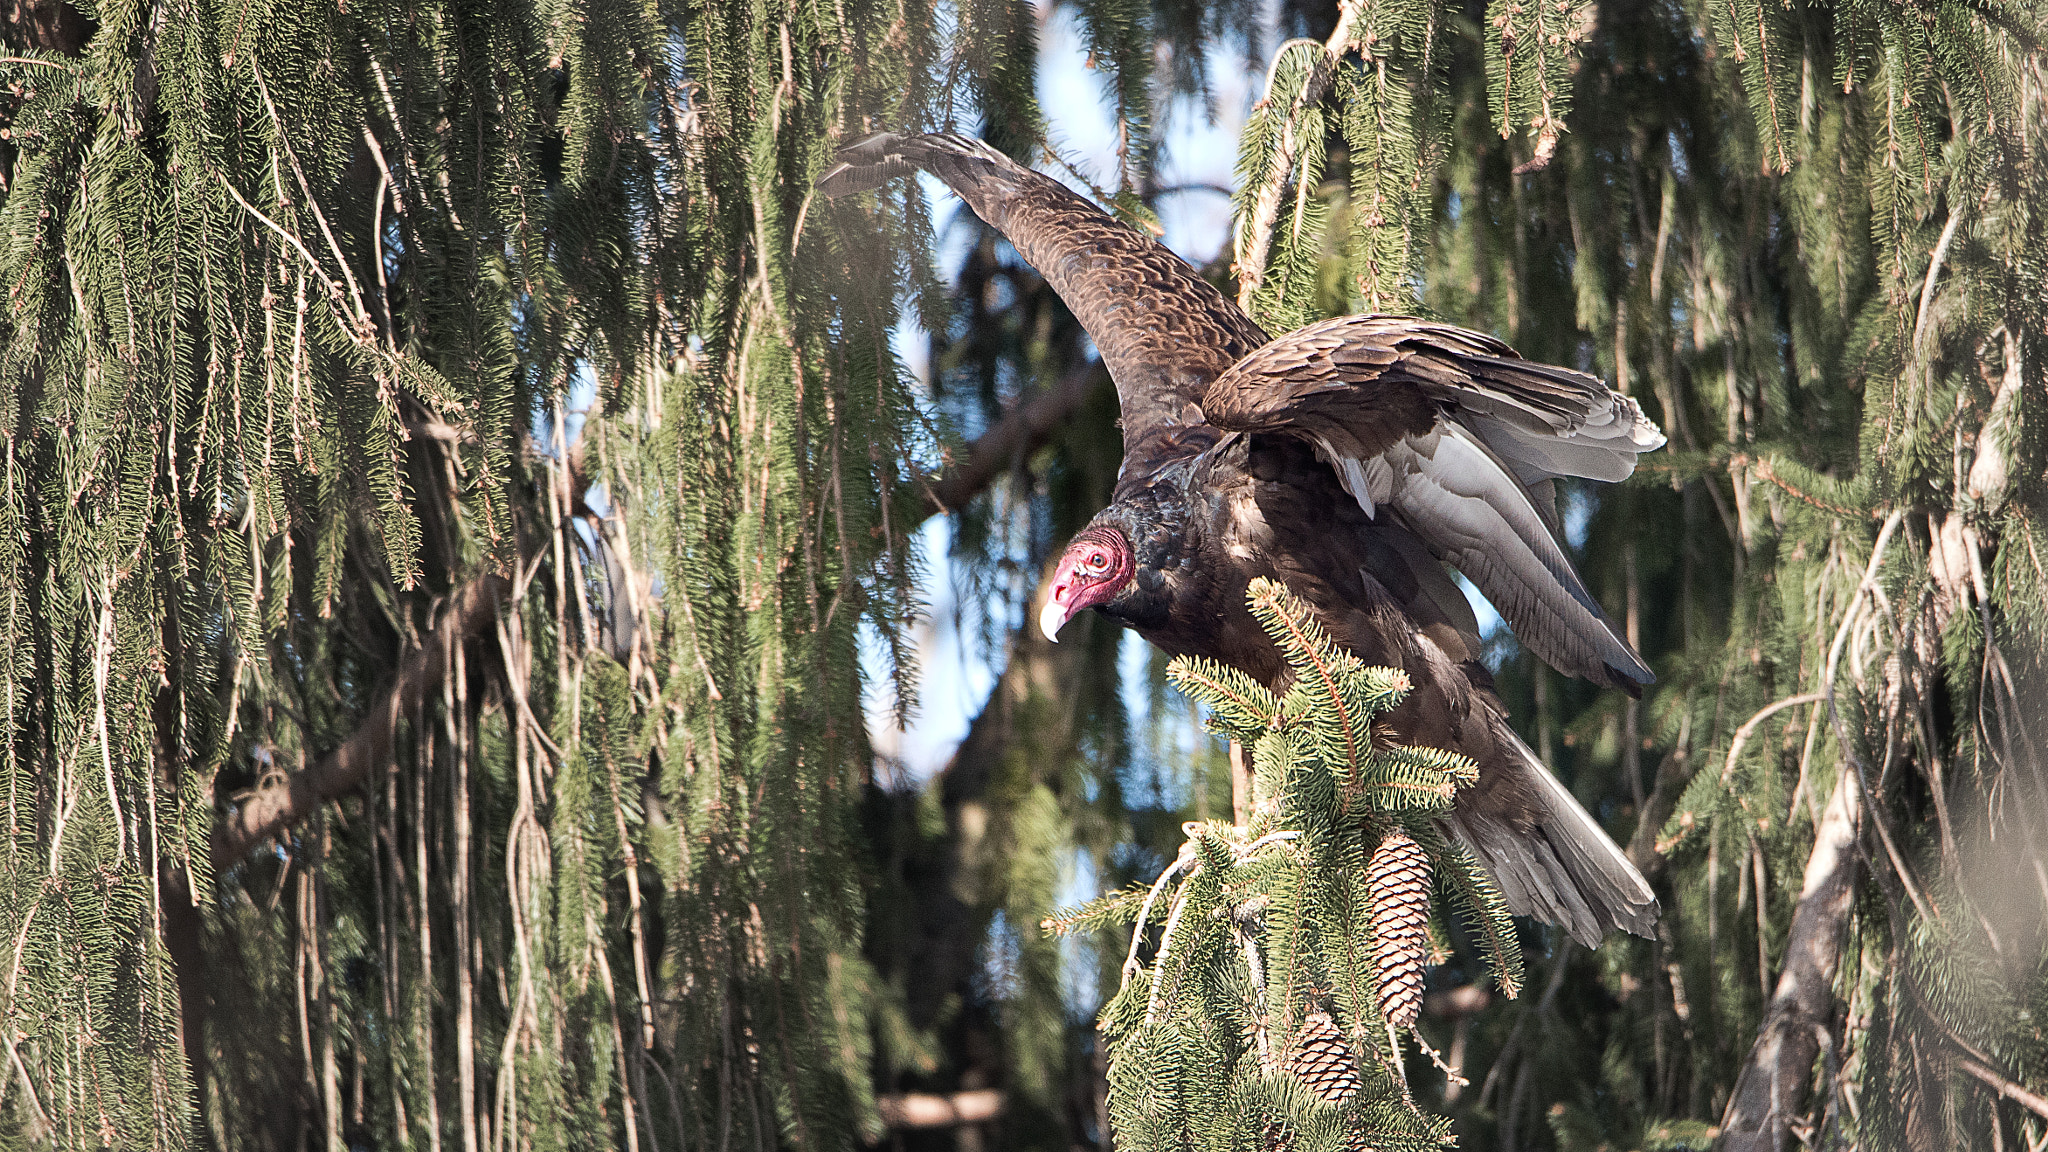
{"x":1322,"y":1058}
{"x":1397,"y":880}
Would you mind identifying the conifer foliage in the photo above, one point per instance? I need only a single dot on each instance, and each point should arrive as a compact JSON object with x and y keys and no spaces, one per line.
{"x":448,"y":460}
{"x":1290,"y":960}
{"x":1809,"y":236}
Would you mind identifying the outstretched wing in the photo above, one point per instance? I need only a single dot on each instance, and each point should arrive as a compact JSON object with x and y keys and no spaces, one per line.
{"x":1164,"y":333}
{"x":1451,"y":430}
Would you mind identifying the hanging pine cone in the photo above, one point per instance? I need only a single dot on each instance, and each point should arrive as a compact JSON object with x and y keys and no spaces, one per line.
{"x":1397,"y":881}
{"x":1322,"y":1059}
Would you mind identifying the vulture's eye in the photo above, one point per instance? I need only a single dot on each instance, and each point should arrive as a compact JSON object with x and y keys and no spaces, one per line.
{"x":1097,"y":562}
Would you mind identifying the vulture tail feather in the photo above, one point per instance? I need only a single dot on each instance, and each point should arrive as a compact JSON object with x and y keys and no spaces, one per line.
{"x":1564,"y":870}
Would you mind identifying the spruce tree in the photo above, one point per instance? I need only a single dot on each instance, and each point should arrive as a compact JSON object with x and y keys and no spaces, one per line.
{"x":450,"y":461}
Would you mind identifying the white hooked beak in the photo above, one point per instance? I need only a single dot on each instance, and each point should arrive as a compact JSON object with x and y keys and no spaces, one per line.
{"x":1053,"y":616}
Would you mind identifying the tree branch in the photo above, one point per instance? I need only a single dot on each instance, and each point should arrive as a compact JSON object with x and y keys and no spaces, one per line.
{"x":269,"y":811}
{"x":1251,"y":257}
{"x":930,"y":1110}
{"x":2004,"y":1087}
{"x":1022,"y":430}
{"x":474,"y":606}
{"x":1743,"y":733}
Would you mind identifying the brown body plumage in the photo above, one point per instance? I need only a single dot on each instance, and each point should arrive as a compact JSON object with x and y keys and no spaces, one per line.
{"x":1351,"y":460}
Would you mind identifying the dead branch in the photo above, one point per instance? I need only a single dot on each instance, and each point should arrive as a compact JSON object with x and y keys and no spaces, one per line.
{"x":1251,"y":258}
{"x":1022,"y":430}
{"x":1743,"y":733}
{"x":2004,"y":1087}
{"x":1770,"y":1092}
{"x":468,"y":611}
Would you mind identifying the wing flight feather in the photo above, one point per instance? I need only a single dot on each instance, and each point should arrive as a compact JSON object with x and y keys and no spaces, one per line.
{"x":1164,"y":332}
{"x":1451,"y":430}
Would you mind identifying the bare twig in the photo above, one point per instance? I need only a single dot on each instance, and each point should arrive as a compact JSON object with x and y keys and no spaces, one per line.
{"x":312,"y":262}
{"x":1159,"y":962}
{"x":1246,"y":852}
{"x":1251,"y":255}
{"x":1742,"y":734}
{"x":1948,"y":235}
{"x":1240,"y":785}
{"x":1186,"y":858}
{"x":362,"y":327}
{"x":1849,"y":753}
{"x":28,"y":1088}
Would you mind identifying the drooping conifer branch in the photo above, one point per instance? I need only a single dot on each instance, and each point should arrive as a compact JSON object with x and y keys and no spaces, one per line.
{"x":1300,"y":76}
{"x":1866,"y":326}
{"x":1529,"y":47}
{"x":471,"y":609}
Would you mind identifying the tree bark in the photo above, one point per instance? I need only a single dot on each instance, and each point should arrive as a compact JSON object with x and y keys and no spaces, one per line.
{"x":1770,"y":1093}
{"x":184,"y":937}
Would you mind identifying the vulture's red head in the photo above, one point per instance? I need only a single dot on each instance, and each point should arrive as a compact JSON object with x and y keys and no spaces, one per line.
{"x":1093,"y":569}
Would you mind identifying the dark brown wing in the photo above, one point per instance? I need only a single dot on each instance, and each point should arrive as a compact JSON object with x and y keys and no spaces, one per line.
{"x":1164,"y":332}
{"x":1450,"y":430}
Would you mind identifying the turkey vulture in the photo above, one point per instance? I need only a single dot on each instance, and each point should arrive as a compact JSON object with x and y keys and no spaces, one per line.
{"x":1352,"y":460}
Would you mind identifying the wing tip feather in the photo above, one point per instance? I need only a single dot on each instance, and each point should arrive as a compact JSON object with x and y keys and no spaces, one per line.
{"x":865,"y":165}
{"x":871,"y":162}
